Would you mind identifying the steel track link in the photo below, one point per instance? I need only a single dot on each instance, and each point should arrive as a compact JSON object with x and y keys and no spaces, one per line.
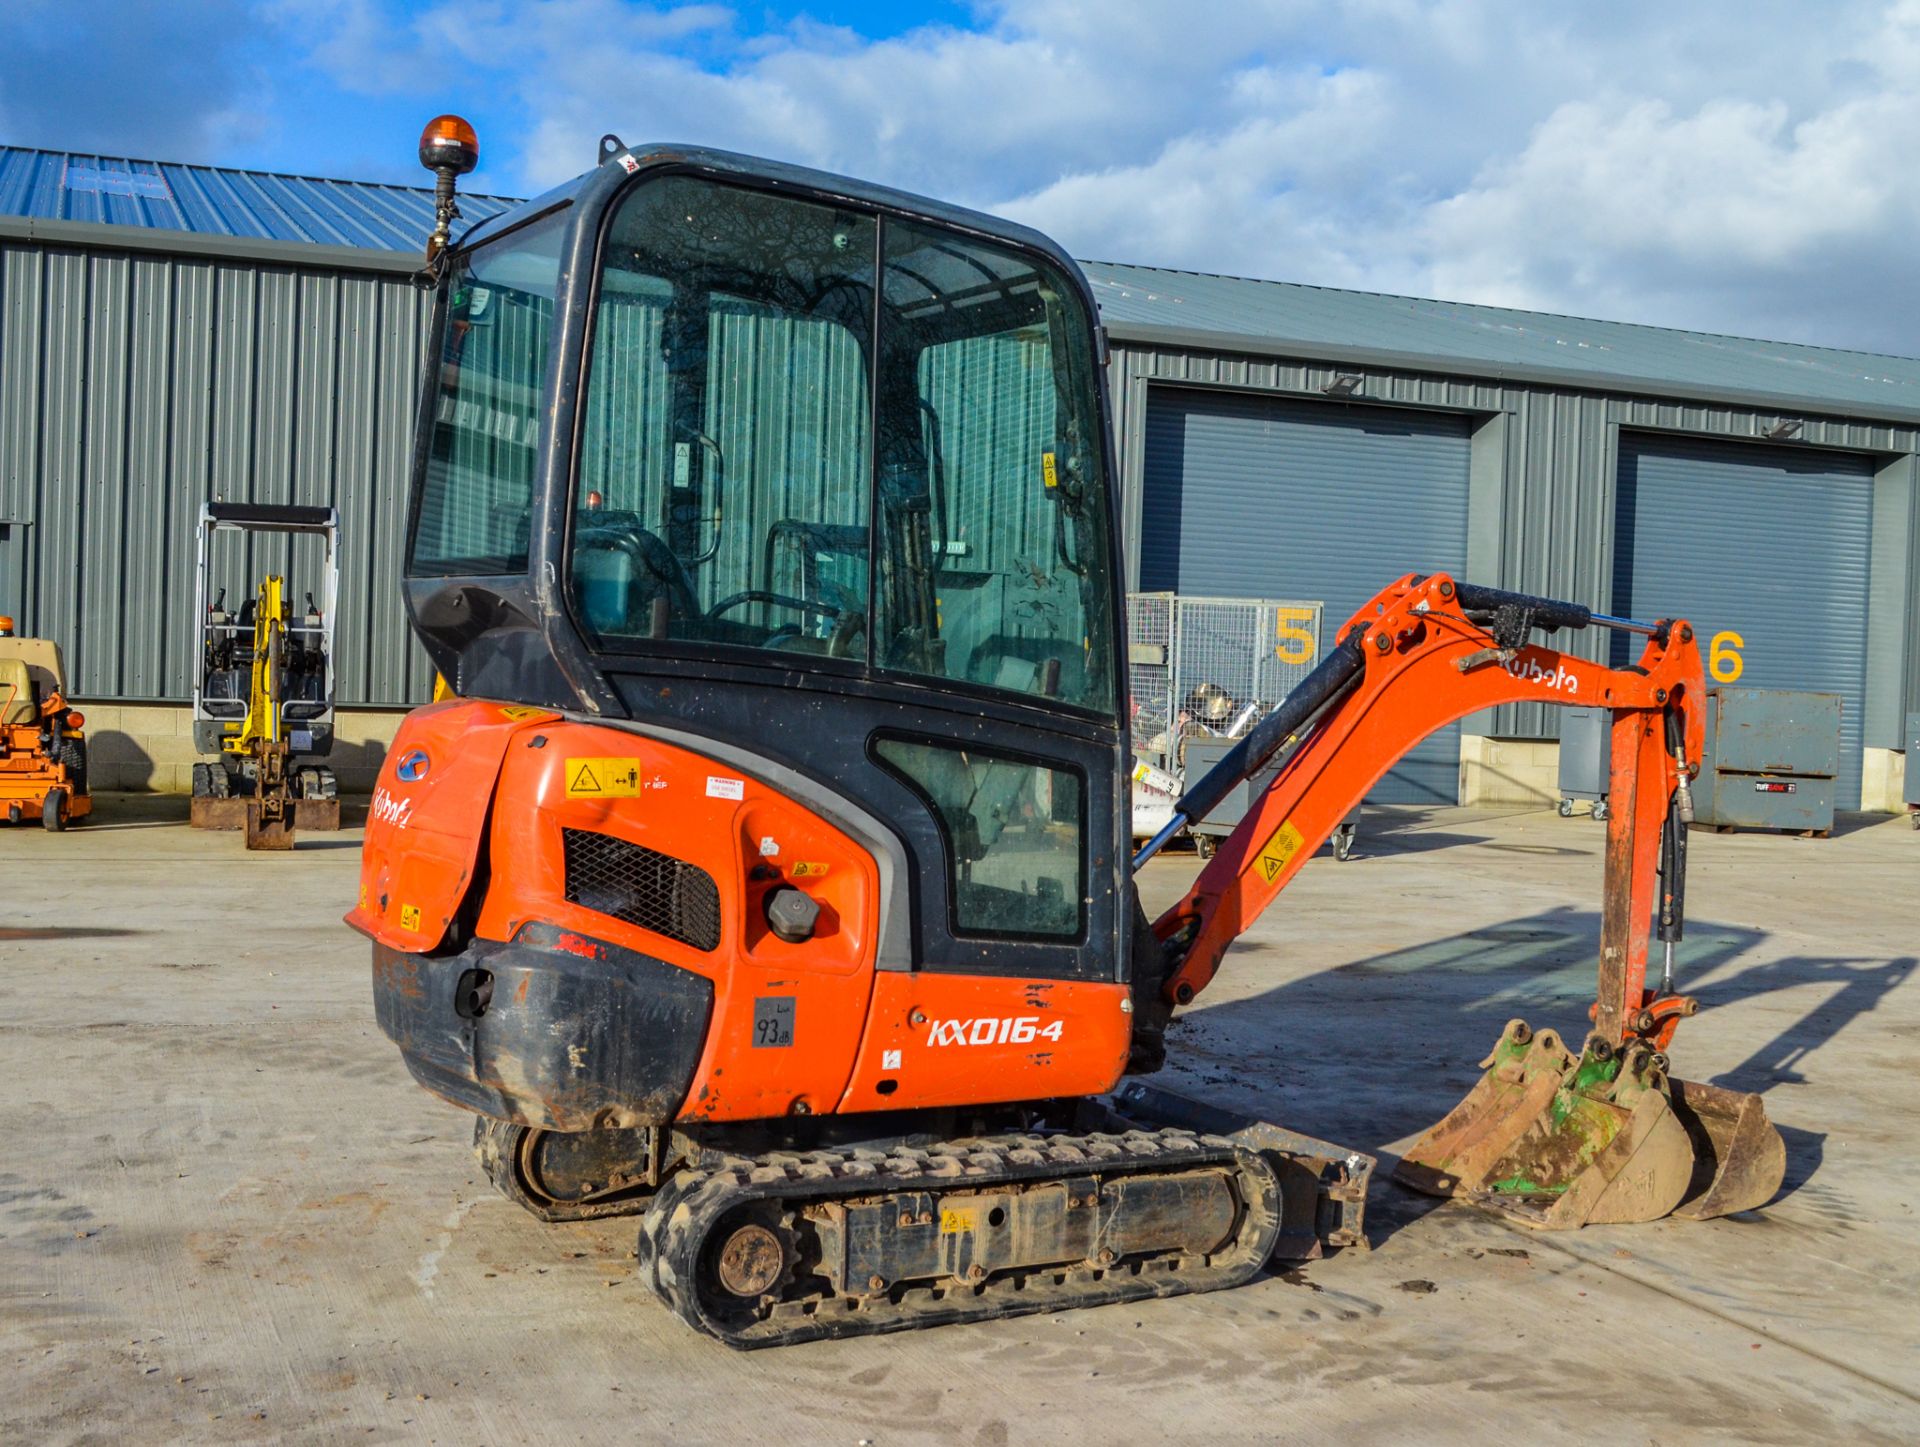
{"x":675,"y":1261}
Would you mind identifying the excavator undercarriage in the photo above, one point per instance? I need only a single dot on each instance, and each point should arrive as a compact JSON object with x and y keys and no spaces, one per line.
{"x":873,"y":1226}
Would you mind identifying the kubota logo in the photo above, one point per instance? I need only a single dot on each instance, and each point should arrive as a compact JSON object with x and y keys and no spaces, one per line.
{"x":992,"y":1030}
{"x":389,"y":810}
{"x":413,"y":766}
{"x":1528,"y":670}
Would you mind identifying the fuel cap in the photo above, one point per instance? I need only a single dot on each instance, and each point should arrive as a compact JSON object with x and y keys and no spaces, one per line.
{"x":792,"y":914}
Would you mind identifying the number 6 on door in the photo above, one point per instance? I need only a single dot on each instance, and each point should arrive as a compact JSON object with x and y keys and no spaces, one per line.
{"x":1723,"y":657}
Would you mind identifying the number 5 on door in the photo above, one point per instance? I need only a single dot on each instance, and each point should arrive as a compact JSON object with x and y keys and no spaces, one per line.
{"x":1297,"y":644}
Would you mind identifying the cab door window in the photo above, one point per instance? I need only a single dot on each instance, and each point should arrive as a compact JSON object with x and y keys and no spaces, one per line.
{"x":991,"y":500}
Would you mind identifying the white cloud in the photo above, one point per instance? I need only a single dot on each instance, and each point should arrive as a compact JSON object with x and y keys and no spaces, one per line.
{"x":1733,"y":166}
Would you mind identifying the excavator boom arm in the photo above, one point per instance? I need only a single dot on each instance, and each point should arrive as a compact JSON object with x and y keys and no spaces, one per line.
{"x":1423,"y":653}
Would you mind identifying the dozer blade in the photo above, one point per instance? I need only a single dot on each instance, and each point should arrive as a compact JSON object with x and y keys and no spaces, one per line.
{"x":1739,"y":1158}
{"x":1555,"y":1142}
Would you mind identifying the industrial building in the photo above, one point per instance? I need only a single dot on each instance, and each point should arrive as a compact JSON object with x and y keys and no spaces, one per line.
{"x":170,"y":333}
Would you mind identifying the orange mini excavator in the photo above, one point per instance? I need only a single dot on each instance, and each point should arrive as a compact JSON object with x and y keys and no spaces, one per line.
{"x":769,"y":877}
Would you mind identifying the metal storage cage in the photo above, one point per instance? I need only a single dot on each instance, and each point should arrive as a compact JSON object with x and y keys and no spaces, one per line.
{"x":1201,"y":671}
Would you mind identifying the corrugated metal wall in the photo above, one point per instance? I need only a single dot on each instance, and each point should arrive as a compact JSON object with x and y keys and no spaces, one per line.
{"x":1543,"y":491}
{"x":136,"y":385}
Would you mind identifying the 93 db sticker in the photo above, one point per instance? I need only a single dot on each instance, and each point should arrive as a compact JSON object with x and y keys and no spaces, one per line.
{"x":772,"y":1021}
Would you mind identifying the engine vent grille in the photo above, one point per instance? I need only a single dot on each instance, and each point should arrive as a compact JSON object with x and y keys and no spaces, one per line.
{"x":654,"y":891}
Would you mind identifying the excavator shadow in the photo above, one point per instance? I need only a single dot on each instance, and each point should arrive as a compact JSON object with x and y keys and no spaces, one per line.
{"x":1411,"y":829}
{"x":1373,"y":1052}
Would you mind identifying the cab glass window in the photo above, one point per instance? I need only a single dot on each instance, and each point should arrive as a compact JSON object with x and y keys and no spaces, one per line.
{"x":1013,"y":830}
{"x":477,"y":489}
{"x":724,"y":465}
{"x":992,"y":511}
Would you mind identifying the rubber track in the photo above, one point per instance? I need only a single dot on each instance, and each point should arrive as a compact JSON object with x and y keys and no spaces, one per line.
{"x":674,"y":1230}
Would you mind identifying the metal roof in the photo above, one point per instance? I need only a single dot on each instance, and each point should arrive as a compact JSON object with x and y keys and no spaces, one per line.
{"x":221,"y":202}
{"x":1237,"y":314}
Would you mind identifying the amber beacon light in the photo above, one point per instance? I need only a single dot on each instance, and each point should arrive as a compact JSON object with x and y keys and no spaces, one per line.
{"x":448,"y":148}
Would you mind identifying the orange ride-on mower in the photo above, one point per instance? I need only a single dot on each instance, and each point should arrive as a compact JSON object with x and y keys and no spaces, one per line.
{"x":43,"y":751}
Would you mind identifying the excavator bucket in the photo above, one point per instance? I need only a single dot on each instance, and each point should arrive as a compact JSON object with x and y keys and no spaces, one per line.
{"x":1555,"y":1141}
{"x":269,"y":824}
{"x":1739,"y":1159}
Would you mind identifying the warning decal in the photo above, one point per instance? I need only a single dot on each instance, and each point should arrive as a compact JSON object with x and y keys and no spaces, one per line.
{"x":1275,"y":853}
{"x":603,"y":778}
{"x":410,"y":916}
{"x":1049,"y":473}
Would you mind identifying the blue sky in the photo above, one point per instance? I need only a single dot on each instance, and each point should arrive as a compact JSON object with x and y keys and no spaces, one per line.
{"x":1728,"y":165}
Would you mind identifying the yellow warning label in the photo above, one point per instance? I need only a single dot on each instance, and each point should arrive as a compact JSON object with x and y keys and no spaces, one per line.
{"x":806,"y":869}
{"x":956,"y":1223}
{"x":1048,"y":470}
{"x":519,"y":711}
{"x":603,"y":778}
{"x":1275,"y":853}
{"x":410,"y":916}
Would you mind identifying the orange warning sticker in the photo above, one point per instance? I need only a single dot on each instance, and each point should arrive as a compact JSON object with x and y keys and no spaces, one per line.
{"x":808,"y":869}
{"x":1275,"y":853}
{"x":603,"y":778}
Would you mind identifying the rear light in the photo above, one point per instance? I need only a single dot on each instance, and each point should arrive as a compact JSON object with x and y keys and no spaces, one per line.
{"x":76,"y":719}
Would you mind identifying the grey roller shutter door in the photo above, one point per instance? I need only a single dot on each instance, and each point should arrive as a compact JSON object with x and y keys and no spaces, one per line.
{"x":1771,"y":544}
{"x":1256,"y":497}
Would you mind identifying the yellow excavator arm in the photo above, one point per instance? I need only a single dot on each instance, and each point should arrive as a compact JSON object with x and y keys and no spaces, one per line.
{"x":260,"y":733}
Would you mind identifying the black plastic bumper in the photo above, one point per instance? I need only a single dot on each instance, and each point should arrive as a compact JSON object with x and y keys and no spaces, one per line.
{"x":555,"y":1029}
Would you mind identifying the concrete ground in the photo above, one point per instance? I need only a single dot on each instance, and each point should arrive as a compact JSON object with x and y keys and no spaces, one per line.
{"x":226,"y":1213}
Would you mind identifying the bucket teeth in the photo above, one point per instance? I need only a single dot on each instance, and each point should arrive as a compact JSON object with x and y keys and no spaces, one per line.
{"x":1555,"y":1142}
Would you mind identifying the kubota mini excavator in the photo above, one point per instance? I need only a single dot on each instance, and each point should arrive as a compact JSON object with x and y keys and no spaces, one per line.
{"x":768,"y":878}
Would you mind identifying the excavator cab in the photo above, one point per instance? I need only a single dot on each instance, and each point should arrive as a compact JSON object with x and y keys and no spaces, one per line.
{"x":836,"y":458}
